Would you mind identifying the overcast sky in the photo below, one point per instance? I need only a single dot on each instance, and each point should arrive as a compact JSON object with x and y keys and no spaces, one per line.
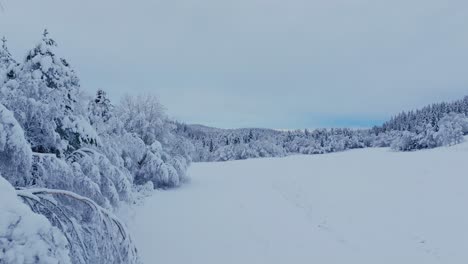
{"x":259,"y":63}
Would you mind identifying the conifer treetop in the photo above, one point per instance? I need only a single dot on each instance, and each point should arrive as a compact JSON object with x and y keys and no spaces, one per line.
{"x":5,"y":56}
{"x":4,"y":41}
{"x":47,"y":40}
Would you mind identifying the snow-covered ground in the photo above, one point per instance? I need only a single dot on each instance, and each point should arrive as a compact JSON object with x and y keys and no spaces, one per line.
{"x":361,"y":206}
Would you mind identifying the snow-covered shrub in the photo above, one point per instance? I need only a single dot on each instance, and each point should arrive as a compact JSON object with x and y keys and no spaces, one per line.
{"x":304,"y":145}
{"x":265,"y":148}
{"x":224,"y":153}
{"x":180,"y":165}
{"x":15,"y":152}
{"x":406,"y":142}
{"x":451,"y":129}
{"x":178,"y":145}
{"x":385,"y":139}
{"x":254,"y":149}
{"x":144,"y":190}
{"x":115,"y":184}
{"x":26,"y":237}
{"x":50,"y":171}
{"x":144,"y":116}
{"x":427,"y":138}
{"x":85,"y":172}
{"x":162,"y":174}
{"x":133,"y":150}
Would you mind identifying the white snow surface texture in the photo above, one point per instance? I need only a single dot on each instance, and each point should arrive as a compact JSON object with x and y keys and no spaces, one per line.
{"x":360,"y":206}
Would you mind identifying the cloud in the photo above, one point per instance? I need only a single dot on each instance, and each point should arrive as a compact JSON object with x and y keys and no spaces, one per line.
{"x":256,"y":62}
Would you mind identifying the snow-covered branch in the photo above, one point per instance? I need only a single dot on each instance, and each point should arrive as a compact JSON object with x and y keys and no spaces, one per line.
{"x":82,"y":236}
{"x":32,"y":194}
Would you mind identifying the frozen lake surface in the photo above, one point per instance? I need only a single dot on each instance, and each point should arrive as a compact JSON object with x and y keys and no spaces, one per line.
{"x":361,"y":206}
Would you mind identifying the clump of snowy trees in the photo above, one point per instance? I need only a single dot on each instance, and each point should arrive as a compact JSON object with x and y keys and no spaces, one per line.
{"x":74,"y":159}
{"x":212,"y":144}
{"x":448,"y":131}
{"x":433,"y":126}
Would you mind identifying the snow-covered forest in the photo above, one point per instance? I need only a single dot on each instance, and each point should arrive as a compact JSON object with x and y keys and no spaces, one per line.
{"x":74,"y":159}
{"x":69,"y":160}
{"x":432,"y":126}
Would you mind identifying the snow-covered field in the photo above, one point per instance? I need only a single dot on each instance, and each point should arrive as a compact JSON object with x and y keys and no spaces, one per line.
{"x":361,"y":206}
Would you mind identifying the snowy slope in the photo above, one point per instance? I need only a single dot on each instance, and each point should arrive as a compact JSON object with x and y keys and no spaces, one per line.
{"x":361,"y":206}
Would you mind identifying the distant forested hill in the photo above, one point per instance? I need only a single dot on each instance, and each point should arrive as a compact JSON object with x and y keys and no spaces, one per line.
{"x":432,"y":126}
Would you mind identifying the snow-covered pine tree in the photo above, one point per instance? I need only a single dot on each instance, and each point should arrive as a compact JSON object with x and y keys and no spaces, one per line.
{"x":7,"y":63}
{"x":45,"y":97}
{"x":5,"y":56}
{"x":100,"y":109}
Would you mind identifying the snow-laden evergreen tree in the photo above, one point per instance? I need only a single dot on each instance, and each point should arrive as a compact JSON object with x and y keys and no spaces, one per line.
{"x":100,"y":110}
{"x":5,"y":56}
{"x":46,"y":99}
{"x":6,"y":62}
